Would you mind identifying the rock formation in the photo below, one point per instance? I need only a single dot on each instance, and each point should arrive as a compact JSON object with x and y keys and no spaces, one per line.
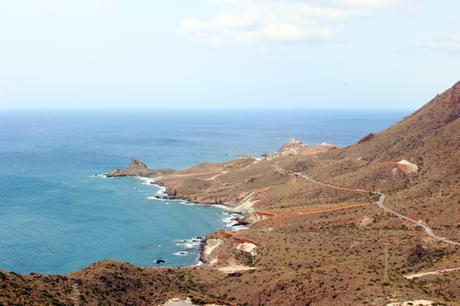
{"x":138,"y":168}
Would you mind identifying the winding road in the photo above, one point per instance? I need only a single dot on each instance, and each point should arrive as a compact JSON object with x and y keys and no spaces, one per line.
{"x":425,"y":227}
{"x":381,"y":204}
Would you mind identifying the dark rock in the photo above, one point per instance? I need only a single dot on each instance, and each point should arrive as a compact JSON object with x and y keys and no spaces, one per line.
{"x":366,"y":138}
{"x":418,"y":254}
{"x":235,"y":274}
{"x":160,"y":261}
{"x":171,"y":193}
{"x":241,"y":221}
{"x":164,"y":197}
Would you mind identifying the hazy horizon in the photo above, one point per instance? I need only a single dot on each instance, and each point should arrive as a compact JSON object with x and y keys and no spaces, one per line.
{"x":211,"y":109}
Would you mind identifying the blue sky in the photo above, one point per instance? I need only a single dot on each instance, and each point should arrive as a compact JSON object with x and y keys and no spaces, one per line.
{"x":227,"y":53}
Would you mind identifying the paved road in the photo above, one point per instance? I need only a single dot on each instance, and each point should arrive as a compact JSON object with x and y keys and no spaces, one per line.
{"x":381,"y":204}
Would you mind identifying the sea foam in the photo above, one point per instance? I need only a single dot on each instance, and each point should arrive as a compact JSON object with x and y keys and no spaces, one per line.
{"x":146,"y":180}
{"x":102,"y":175}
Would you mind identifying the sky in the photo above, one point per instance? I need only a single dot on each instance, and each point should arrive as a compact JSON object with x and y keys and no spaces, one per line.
{"x":333,"y":54}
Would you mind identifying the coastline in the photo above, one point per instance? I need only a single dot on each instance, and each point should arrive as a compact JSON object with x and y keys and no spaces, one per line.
{"x":232,"y":221}
{"x":221,"y":246}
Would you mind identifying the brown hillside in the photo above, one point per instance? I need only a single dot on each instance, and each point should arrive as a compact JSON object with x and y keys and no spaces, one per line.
{"x":419,"y":136}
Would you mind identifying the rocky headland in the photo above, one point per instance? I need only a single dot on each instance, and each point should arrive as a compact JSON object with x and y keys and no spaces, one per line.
{"x":138,"y":168}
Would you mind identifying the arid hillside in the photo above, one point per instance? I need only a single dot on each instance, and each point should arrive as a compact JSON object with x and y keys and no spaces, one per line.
{"x":432,"y":130}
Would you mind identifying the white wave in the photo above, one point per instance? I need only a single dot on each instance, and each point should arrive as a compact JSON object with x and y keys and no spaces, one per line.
{"x":188,"y":246}
{"x":199,"y":263}
{"x":161,"y":190}
{"x":229,"y":220}
{"x":220,"y":206}
{"x":192,"y":243}
{"x":102,"y":175}
{"x":186,"y":203}
{"x":190,"y":204}
{"x":146,"y":180}
{"x":156,"y":198}
{"x":180,"y":253}
{"x":239,"y":227}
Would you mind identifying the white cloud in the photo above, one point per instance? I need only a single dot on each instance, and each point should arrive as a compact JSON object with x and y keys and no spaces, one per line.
{"x":262,"y":21}
{"x":442,"y":42}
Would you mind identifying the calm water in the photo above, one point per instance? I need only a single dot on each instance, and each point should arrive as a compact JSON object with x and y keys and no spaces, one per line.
{"x":56,"y":217}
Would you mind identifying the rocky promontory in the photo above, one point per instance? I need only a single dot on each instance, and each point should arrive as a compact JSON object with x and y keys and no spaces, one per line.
{"x":295,"y":147}
{"x":138,"y":168}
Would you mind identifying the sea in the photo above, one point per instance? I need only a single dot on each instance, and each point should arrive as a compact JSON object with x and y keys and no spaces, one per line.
{"x":58,"y":213}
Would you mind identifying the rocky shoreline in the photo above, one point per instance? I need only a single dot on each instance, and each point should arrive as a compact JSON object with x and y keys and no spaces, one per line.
{"x":239,"y":219}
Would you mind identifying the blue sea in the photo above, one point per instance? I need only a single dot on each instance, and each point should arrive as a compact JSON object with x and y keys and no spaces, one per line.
{"x":57,"y":215}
